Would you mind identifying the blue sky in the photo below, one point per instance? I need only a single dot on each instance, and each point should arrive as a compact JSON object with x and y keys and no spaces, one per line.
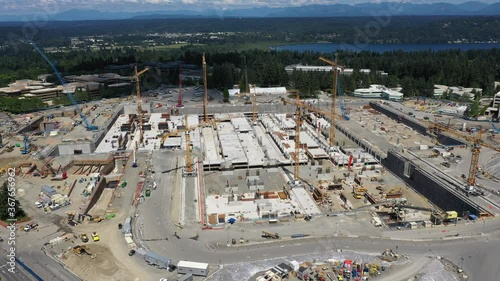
{"x":56,"y":6}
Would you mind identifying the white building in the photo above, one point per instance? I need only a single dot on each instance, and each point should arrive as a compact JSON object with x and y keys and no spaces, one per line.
{"x":379,"y":91}
{"x":456,"y":92}
{"x":344,"y":71}
{"x":495,"y":106}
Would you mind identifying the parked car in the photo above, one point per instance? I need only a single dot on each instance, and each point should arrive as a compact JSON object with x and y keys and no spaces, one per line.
{"x":38,"y":204}
{"x":131,"y":253}
{"x":1,"y":239}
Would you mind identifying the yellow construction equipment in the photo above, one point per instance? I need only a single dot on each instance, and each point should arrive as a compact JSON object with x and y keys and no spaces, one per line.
{"x":358,"y":192}
{"x":335,"y":71}
{"x":79,"y":250}
{"x":475,"y":142}
{"x":139,"y":100}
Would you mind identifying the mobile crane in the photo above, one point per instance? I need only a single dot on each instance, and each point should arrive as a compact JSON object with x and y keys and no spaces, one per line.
{"x":68,"y":93}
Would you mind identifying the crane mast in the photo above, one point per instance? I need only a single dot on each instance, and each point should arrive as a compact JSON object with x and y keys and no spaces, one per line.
{"x":189,"y":162}
{"x":205,"y":99}
{"x":139,"y":100}
{"x":476,"y":150}
{"x":254,"y":112}
{"x":298,"y":122}
{"x":335,"y":72}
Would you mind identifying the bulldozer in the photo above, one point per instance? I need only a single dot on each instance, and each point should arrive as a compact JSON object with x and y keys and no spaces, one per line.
{"x":80,"y":250}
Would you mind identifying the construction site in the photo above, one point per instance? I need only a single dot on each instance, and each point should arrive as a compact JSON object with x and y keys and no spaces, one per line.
{"x":307,"y":160}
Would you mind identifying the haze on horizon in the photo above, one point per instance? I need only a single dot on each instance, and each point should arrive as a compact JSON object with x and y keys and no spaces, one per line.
{"x":20,"y":7}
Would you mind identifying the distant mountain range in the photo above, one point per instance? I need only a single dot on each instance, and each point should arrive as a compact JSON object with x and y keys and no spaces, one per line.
{"x":335,"y":10}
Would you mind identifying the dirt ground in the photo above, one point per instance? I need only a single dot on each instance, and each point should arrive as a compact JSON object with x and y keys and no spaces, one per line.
{"x":103,"y":267}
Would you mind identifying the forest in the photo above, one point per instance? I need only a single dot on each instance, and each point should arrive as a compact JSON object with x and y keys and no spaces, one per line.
{"x":415,"y":72}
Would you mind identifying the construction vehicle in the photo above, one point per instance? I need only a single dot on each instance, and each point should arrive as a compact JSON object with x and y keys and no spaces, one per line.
{"x":71,"y":216}
{"x":389,"y":256}
{"x":442,"y":217}
{"x":69,"y":94}
{"x":84,"y":238}
{"x":30,"y":226}
{"x":79,"y":250}
{"x":95,"y":236}
{"x":358,"y":192}
{"x":97,"y":219}
{"x":270,"y":235}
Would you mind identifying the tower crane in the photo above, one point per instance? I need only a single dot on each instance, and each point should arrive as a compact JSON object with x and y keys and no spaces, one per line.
{"x":335,"y":71}
{"x":139,"y":100}
{"x":254,"y":111}
{"x":298,"y":122}
{"x":189,"y":161}
{"x":70,"y":96}
{"x":476,"y":143}
{"x":205,"y":96}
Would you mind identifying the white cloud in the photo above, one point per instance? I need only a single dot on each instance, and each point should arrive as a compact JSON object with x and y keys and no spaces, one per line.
{"x":31,"y":6}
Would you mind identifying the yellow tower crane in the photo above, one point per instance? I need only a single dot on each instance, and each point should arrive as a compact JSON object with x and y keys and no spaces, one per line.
{"x":205,"y":99}
{"x":335,"y":71}
{"x":476,"y":143}
{"x":139,"y":100}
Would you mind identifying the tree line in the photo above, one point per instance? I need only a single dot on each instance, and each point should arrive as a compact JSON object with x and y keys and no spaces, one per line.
{"x":415,"y":72}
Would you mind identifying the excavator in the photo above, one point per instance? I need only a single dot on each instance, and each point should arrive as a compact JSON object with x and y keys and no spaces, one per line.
{"x":79,"y":250}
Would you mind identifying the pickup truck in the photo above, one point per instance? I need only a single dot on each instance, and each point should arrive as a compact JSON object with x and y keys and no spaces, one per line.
{"x":30,"y":226}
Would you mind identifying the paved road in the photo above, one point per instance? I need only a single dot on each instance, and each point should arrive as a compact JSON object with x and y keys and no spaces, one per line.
{"x":19,"y":274}
{"x":155,"y":224}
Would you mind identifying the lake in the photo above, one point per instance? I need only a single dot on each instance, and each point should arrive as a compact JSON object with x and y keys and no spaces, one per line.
{"x":381,"y":48}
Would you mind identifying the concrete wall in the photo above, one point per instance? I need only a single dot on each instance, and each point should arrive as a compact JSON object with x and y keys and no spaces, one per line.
{"x":96,"y":194}
{"x":69,"y":149}
{"x":419,"y":180}
{"x":394,"y":114}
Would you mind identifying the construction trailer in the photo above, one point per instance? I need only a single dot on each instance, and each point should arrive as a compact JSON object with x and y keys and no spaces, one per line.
{"x":195,"y":268}
{"x":127,"y":227}
{"x":187,"y":277}
{"x":49,"y":191}
{"x":153,"y":258}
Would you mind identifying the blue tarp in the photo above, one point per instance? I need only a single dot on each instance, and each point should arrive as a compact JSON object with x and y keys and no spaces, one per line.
{"x":472,"y":217}
{"x":231,"y":220}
